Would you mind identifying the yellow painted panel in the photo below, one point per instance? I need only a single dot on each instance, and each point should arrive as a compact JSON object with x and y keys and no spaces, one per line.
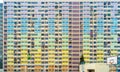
{"x":10,"y":62}
{"x":10,"y":59}
{"x":37,"y":62}
{"x":24,"y":59}
{"x":86,"y":51}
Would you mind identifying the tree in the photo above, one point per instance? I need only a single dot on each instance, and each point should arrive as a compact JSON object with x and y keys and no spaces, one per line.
{"x":82,"y":60}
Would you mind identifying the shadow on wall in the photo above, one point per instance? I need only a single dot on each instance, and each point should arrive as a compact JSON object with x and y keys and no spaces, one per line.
{"x":90,"y":70}
{"x":1,"y":64}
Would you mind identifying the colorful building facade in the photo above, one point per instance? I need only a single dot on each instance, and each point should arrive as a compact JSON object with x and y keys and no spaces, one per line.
{"x":36,"y":37}
{"x":50,"y":36}
{"x":1,"y":35}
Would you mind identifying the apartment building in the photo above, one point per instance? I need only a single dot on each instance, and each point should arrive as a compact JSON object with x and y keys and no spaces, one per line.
{"x":51,"y":36}
{"x":1,"y":35}
{"x":37,"y":38}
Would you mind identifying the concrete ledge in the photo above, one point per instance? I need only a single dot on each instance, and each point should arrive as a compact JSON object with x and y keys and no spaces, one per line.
{"x":1,"y":70}
{"x":97,"y":67}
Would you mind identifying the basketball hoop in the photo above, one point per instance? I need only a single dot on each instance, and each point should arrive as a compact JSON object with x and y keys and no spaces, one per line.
{"x":111,"y":61}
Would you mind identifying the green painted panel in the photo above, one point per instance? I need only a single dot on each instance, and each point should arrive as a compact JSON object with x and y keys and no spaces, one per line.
{"x":51,"y":36}
{"x":10,"y":47}
{"x":86,"y":35}
{"x":51,"y":40}
{"x":100,"y":47}
{"x":99,"y":40}
{"x":52,"y":47}
{"x":24,"y":47}
{"x":51,"y":43}
{"x":37,"y":43}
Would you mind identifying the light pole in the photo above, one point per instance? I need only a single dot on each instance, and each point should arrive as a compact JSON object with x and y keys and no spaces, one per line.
{"x":109,"y":53}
